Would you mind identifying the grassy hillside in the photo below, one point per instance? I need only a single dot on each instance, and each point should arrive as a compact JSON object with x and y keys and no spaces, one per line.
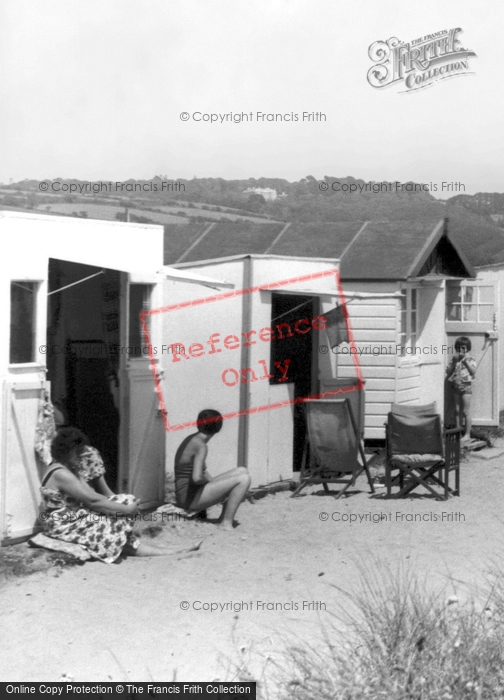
{"x":202,"y":200}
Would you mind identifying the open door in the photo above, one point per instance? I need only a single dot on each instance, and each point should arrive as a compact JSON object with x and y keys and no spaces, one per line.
{"x":297,"y":350}
{"x":21,"y":392}
{"x":100,"y":371}
{"x":471,"y":312}
{"x":82,"y":360}
{"x":142,"y":438}
{"x":21,"y":488}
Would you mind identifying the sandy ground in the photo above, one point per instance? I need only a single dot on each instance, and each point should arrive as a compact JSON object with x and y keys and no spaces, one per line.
{"x":123,"y":622}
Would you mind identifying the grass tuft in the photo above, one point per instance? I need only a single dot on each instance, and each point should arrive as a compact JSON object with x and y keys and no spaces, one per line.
{"x":404,"y":643}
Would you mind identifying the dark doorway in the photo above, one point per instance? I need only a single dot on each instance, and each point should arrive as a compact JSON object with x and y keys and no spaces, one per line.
{"x":295,"y":343}
{"x":83,"y":353}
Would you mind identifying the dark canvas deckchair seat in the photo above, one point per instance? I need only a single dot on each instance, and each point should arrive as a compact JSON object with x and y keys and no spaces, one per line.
{"x":332,"y":447}
{"x":418,"y":449}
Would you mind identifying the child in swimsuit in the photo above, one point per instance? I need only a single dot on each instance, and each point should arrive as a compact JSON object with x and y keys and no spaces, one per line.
{"x":195,"y":489}
{"x":461,"y":373}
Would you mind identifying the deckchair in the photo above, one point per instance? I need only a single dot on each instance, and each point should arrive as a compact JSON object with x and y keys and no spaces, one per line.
{"x":418,"y":449}
{"x":332,"y":448}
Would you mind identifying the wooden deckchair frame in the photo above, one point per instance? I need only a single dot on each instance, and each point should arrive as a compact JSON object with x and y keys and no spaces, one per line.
{"x":313,"y":473}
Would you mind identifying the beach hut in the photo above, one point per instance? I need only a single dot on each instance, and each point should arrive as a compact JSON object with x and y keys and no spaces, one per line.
{"x":406,"y":343}
{"x":484,"y":311}
{"x":399,"y":279}
{"x":71,"y":295}
{"x":253,"y":353}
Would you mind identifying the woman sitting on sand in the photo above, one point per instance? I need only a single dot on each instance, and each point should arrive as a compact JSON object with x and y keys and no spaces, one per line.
{"x":91,"y":467}
{"x":195,"y":489}
{"x":77,"y":513}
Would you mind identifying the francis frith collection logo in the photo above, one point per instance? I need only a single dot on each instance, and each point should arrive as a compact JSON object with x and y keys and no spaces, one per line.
{"x":420,"y":63}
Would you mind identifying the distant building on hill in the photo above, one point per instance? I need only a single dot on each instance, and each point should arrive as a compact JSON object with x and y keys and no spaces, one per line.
{"x":268,"y":193}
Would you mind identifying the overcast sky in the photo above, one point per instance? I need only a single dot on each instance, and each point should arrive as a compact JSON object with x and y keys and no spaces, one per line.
{"x":94,"y":90}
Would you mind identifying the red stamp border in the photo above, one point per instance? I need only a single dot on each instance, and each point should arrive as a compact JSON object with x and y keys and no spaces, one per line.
{"x":241,"y":292}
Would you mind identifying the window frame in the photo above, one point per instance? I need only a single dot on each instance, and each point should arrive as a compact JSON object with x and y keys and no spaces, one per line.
{"x":38,"y":325}
{"x":463,"y":303}
{"x":408,"y":321}
{"x":146,"y":306}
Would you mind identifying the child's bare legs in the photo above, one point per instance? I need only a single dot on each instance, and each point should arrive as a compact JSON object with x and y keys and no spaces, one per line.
{"x":230,"y":487}
{"x":465,"y":406}
{"x":457,"y":401}
{"x":463,"y":413}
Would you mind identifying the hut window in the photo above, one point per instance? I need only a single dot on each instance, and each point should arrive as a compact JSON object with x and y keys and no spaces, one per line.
{"x":402,"y":323}
{"x":414,"y":318}
{"x":408,"y":321}
{"x":139,"y":300}
{"x":468,"y":302}
{"x":23,"y":302}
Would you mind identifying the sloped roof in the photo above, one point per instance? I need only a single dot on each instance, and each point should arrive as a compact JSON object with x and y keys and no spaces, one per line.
{"x":178,"y":238}
{"x":316,"y":240}
{"x":391,"y":250}
{"x":217,"y":240}
{"x":403,"y":249}
{"x":189,"y":243}
{"x":367,"y":250}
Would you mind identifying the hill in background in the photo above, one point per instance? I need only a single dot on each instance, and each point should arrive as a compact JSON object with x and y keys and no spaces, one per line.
{"x":474,"y":220}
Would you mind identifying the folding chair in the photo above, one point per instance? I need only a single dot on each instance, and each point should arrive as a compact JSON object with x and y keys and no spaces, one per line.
{"x":332,"y":446}
{"x":419,"y":449}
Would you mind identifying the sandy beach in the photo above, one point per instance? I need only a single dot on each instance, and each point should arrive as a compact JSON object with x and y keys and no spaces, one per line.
{"x":228,"y":611}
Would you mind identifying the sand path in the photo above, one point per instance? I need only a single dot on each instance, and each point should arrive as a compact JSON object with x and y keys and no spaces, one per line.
{"x":124,"y":622}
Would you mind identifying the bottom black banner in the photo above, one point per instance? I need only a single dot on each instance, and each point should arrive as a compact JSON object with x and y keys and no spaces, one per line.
{"x":202,"y":691}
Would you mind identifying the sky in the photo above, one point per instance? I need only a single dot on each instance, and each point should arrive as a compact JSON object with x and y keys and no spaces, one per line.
{"x":94,"y":90}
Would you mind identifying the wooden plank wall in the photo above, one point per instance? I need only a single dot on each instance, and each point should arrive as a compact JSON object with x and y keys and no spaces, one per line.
{"x":408,"y":384}
{"x":375,"y":324}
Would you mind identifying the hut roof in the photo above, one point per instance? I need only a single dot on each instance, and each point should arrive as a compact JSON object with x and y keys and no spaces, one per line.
{"x":367,"y":250}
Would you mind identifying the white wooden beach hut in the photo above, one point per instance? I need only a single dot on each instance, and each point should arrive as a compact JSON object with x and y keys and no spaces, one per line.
{"x":406,"y":342}
{"x":250,"y":353}
{"x":489,"y":291}
{"x":70,"y":297}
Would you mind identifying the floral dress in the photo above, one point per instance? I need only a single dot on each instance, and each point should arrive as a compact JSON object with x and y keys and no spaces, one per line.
{"x":103,"y":535}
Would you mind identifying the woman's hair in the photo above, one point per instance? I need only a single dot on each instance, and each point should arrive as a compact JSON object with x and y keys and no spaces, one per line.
{"x":209,"y":421}
{"x":462,"y":341}
{"x":59,"y":416}
{"x":66,"y":440}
